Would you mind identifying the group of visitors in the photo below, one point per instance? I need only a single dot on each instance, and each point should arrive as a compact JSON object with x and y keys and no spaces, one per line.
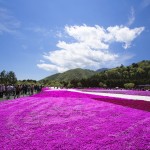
{"x":18,"y":90}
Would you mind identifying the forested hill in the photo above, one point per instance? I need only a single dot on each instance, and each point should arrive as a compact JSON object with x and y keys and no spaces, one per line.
{"x":73,"y":74}
{"x":135,"y":70}
{"x":137,"y":73}
{"x":52,"y":77}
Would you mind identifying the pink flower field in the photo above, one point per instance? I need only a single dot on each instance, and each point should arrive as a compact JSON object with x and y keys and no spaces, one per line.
{"x":128,"y":92}
{"x":63,"y":120}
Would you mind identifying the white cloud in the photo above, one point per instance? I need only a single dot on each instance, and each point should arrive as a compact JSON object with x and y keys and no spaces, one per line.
{"x":8,"y":23}
{"x":124,"y":35}
{"x":131,"y":17}
{"x":90,"y":49}
{"x":91,"y":36}
{"x":51,"y":67}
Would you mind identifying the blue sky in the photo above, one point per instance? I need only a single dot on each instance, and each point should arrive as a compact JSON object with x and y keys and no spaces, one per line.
{"x":39,"y":38}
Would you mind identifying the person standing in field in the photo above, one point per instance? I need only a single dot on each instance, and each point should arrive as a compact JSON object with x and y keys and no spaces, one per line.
{"x":32,"y":89}
{"x":8,"y":91}
{"x":18,"y":90}
{"x":1,"y":91}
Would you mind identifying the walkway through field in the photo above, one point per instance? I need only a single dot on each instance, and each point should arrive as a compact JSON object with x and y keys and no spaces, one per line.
{"x":133,"y":97}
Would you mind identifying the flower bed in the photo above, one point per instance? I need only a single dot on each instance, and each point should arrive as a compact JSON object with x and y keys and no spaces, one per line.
{"x":128,"y":92}
{"x":69,"y":120}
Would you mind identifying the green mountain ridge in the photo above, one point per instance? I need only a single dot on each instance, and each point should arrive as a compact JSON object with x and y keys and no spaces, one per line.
{"x":136,"y":73}
{"x":73,"y":74}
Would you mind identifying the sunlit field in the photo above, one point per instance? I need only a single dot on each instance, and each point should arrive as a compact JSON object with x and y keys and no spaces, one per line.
{"x":65,"y":120}
{"x":119,"y":91}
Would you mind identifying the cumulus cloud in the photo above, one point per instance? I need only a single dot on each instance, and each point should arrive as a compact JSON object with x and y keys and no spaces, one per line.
{"x":90,"y":48}
{"x":92,"y":36}
{"x":8,"y":23}
{"x":124,"y":35}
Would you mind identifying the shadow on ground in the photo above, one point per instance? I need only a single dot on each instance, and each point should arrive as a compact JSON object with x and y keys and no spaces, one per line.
{"x":136,"y":104}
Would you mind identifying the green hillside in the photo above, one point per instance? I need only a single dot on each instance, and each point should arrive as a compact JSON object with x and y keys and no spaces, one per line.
{"x":136,"y":73}
{"x":52,"y":77}
{"x":73,"y":74}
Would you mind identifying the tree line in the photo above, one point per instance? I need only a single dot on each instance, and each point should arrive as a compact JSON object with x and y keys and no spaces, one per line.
{"x":7,"y":77}
{"x":123,"y":77}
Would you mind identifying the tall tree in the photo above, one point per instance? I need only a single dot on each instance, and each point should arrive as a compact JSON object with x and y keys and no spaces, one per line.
{"x":11,"y":77}
{"x":3,"y":77}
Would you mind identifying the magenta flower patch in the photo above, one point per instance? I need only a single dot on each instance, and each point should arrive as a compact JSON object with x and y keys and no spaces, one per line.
{"x":62,"y":120}
{"x":128,"y":92}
